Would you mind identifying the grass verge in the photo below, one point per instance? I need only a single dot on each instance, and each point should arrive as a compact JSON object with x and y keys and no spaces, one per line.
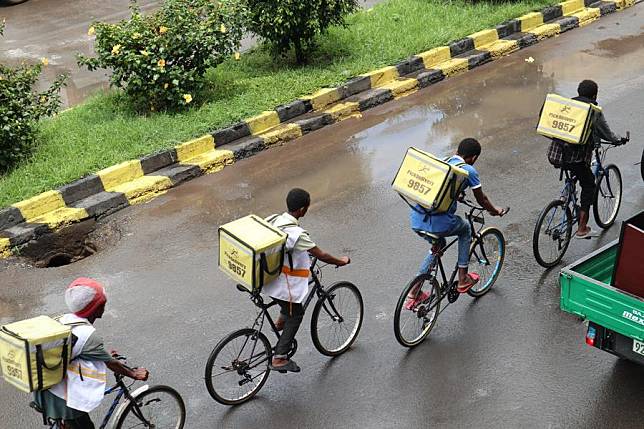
{"x":103,"y":130}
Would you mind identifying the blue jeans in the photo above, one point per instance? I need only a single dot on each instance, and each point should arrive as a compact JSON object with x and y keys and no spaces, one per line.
{"x":461,"y":229}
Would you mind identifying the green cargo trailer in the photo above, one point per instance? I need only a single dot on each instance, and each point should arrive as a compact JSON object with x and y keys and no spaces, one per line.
{"x":615,"y":317}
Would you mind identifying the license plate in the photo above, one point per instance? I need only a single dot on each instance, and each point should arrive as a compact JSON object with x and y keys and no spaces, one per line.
{"x":638,"y":347}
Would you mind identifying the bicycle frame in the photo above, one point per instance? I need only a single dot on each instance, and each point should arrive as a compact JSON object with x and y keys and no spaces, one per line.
{"x":318,"y":289}
{"x":123,"y":391}
{"x":258,"y":301}
{"x":475,"y":215}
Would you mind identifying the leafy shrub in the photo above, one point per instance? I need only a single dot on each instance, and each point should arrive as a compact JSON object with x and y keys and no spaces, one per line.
{"x":21,"y":108}
{"x":295,"y":23}
{"x":159,"y":60}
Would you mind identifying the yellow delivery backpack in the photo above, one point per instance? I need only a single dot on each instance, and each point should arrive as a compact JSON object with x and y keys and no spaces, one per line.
{"x":251,"y":251}
{"x":428,"y":181}
{"x":566,"y":119}
{"x":34,"y":353}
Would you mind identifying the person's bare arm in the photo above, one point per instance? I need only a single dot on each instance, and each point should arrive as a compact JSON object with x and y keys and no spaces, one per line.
{"x":119,"y":367}
{"x":485,"y":202}
{"x":328,"y":258}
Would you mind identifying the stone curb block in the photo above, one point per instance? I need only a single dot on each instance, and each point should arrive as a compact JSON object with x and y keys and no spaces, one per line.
{"x":134,"y":181}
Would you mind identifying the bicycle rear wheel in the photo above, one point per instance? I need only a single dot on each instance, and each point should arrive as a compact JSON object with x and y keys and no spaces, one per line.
{"x":160,"y":406}
{"x":486,"y":258}
{"x":417,"y":310}
{"x":238,"y":366}
{"x":608,"y":196}
{"x":337,"y":319}
{"x":552,"y":234}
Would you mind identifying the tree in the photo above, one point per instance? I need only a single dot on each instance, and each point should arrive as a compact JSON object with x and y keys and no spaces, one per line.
{"x":296,"y":23}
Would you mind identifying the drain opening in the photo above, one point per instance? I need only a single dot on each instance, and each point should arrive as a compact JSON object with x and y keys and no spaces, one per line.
{"x":59,"y":260}
{"x":63,"y":247}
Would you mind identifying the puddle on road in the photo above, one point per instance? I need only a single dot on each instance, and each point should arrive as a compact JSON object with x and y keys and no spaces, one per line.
{"x":626,"y":46}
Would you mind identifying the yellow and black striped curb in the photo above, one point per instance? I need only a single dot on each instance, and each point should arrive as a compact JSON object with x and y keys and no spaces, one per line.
{"x":141,"y":180}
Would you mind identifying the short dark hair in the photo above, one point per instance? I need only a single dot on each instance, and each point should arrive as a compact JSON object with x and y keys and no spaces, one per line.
{"x":588,"y":88}
{"x":297,"y":198}
{"x":469,"y":147}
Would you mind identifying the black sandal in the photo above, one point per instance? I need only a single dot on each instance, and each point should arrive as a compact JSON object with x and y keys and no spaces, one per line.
{"x":289,"y":366}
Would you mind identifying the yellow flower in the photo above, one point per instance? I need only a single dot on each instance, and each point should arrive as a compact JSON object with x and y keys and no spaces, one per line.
{"x":161,"y":63}
{"x":237,"y":56}
{"x":187,"y":98}
{"x":44,"y":61}
{"x":136,"y":35}
{"x":91,"y":31}
{"x":222,"y":28}
{"x":165,"y":86}
{"x":163,"y":29}
{"x":144,"y":53}
{"x":43,"y":98}
{"x":116,"y":49}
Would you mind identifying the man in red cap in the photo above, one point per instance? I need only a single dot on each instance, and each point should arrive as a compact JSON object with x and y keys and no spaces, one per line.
{"x":83,"y":387}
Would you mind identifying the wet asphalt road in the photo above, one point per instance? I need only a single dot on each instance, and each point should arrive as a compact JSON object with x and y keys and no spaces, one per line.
{"x":510,"y":359}
{"x":57,"y":30}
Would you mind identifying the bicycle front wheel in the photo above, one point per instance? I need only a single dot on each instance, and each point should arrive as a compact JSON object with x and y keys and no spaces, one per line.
{"x":417,"y":310}
{"x":552,"y":234}
{"x":486,"y":258}
{"x":238,"y":367}
{"x":608,"y":196}
{"x":337,"y":319}
{"x":159,"y":407}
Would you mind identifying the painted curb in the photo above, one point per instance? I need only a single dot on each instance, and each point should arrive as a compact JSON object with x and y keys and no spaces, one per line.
{"x":140,"y":180}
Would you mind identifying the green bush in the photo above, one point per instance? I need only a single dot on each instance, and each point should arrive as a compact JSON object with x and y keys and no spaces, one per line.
{"x":295,"y":23}
{"x":21,"y":108}
{"x":159,"y":60}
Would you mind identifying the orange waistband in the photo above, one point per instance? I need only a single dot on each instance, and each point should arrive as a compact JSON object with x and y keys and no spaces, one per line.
{"x":296,"y":273}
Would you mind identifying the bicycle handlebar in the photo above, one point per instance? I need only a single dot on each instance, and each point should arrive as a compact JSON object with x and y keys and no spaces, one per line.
{"x":475,"y":207}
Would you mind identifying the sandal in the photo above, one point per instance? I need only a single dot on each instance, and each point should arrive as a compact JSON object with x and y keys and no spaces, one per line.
{"x":289,"y":366}
{"x":587,"y":236}
{"x":473,"y":279}
{"x":411,"y":302}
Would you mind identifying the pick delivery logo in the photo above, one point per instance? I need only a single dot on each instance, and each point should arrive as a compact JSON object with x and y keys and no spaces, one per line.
{"x":565,"y":109}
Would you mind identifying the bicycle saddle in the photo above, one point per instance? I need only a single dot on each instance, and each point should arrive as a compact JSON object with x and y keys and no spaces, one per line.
{"x":429,"y":235}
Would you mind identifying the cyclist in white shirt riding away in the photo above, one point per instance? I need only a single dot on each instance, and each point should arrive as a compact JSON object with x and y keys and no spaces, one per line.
{"x":291,"y":287}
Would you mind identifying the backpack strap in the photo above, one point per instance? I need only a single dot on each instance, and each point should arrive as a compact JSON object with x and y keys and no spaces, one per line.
{"x":289,"y":253}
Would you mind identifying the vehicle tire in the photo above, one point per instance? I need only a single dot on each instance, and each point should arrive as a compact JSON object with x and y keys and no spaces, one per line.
{"x":160,"y":405}
{"x":608,"y":196}
{"x":238,"y":366}
{"x":489,"y":265}
{"x":422,"y":316}
{"x":11,"y":2}
{"x":550,"y":242}
{"x":642,"y":166}
{"x":337,"y":319}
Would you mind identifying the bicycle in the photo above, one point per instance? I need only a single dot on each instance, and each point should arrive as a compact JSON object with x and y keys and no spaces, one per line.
{"x":414,"y":322}
{"x":154,"y":407}
{"x":553,"y":230}
{"x":243,"y":356}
